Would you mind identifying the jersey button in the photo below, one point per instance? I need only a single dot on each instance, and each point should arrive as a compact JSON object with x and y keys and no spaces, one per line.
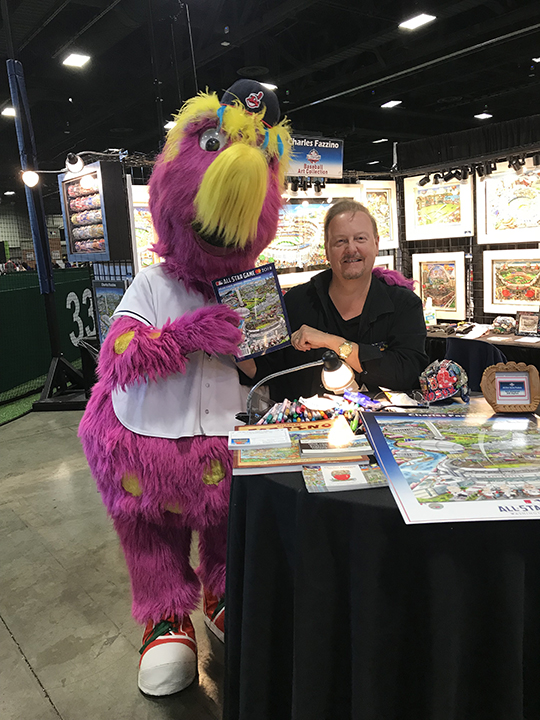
{"x":207,"y":411}
{"x":207,"y":384}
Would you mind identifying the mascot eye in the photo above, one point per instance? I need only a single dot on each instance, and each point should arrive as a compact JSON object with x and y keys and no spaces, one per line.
{"x":212,"y":140}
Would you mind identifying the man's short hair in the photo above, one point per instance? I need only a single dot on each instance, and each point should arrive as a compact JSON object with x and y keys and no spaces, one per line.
{"x":346,"y":205}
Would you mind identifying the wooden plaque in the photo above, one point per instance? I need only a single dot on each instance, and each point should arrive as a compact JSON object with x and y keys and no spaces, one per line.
{"x":511,"y":387}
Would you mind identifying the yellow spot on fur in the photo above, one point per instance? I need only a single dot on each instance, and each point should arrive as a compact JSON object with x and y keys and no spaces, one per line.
{"x":122,"y":341}
{"x":130,"y":483}
{"x":154,"y":335}
{"x":214,"y":473}
{"x":176,"y":509}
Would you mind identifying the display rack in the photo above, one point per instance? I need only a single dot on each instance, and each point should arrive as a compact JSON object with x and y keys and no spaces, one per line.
{"x":95,"y":211}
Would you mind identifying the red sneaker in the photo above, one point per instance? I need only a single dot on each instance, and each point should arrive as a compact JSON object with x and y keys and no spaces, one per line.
{"x":214,"y":614}
{"x":168,"y":656}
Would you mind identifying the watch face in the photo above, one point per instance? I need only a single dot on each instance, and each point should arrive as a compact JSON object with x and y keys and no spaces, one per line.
{"x":345,"y":350}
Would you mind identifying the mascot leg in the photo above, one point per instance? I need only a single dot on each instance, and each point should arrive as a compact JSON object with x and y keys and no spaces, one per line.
{"x":165,"y":590}
{"x":212,"y":555}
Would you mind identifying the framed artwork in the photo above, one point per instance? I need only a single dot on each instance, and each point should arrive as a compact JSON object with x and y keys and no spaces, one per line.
{"x":441,"y":277}
{"x":511,"y":387}
{"x":508,"y":205}
{"x":299,"y":240}
{"x":143,"y":234}
{"x":385,"y":261}
{"x":527,"y":323}
{"x":511,"y":281}
{"x":379,"y":196}
{"x":438,"y":211}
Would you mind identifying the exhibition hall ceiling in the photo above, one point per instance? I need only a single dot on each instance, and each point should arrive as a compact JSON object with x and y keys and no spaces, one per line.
{"x":335,"y":63}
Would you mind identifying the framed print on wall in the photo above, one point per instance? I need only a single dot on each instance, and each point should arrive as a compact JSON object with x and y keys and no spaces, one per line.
{"x":441,"y":276}
{"x":379,"y":196}
{"x":385,"y":261}
{"x":511,"y":280}
{"x":508,"y":205}
{"x":440,"y":211}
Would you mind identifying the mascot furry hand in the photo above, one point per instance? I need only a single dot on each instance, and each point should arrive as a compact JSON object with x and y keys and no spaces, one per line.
{"x":155,"y":429}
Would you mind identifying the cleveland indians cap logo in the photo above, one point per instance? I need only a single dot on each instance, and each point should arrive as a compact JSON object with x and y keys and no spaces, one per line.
{"x":253,"y":100}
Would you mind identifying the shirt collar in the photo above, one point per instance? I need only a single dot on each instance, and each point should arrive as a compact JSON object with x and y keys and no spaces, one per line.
{"x":378,"y":301}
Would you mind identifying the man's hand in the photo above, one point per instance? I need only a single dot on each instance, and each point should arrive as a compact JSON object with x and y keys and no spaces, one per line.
{"x":308,"y":338}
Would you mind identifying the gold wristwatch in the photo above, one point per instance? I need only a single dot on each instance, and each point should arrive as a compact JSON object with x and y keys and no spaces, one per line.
{"x":345,"y":349}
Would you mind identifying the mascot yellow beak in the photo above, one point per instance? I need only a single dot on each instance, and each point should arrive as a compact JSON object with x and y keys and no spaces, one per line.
{"x":231,"y":195}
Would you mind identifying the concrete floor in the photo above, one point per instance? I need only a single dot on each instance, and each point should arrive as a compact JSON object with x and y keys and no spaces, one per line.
{"x":68,"y":644}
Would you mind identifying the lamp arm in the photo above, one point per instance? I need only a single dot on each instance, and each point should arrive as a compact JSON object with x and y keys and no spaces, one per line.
{"x":249,"y":400}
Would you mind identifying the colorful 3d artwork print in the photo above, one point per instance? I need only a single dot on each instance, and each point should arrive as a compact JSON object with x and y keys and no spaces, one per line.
{"x":257,"y":298}
{"x":379,"y":205}
{"x":516,"y":281}
{"x":299,"y":240}
{"x":436,"y":205}
{"x":513,"y":201}
{"x":447,"y":469}
{"x":438,"y":282}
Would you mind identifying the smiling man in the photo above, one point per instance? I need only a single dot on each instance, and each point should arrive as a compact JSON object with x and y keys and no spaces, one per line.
{"x":373,"y":321}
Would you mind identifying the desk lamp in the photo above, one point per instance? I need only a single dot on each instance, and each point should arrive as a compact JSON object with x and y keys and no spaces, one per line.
{"x":336,"y":377}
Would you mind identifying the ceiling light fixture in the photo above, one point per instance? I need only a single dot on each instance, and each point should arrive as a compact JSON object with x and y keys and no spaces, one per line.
{"x":8,"y":112}
{"x":317,"y":187}
{"x":480,"y":171}
{"x":76,"y":60}
{"x":536,"y":159}
{"x":448,"y":175}
{"x":417,"y":21}
{"x":423,"y":181}
{"x":269,"y":86}
{"x":536,"y":60}
{"x":483,"y":116}
{"x":225,"y":43}
{"x":373,"y":162}
{"x":169,"y":125}
{"x":391,"y":103}
{"x":436,"y":179}
{"x":9,"y":192}
{"x":489,"y":167}
{"x":294,"y":185}
{"x":464,"y":173}
{"x":380,"y":141}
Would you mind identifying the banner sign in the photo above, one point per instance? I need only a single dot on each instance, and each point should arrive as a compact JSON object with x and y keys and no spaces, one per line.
{"x":317,"y":157}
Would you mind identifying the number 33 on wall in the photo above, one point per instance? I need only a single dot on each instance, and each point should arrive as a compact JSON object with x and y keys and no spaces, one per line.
{"x":74,"y":304}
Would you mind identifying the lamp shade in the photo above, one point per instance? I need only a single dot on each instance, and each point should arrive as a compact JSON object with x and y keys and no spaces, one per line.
{"x":336,"y":375}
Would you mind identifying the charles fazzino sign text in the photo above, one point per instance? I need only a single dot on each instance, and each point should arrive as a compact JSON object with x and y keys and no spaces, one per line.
{"x":317,"y":157}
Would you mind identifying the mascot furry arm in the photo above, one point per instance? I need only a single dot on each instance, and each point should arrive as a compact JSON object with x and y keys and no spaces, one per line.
{"x":155,"y":429}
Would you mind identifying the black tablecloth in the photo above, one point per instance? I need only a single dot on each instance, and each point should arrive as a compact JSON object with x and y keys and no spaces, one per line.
{"x":336,"y":609}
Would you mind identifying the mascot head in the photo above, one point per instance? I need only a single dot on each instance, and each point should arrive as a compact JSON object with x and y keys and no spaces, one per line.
{"x":215,"y":192}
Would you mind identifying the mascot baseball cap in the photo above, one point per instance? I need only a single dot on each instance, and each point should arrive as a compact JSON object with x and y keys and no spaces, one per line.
{"x":444,"y":379}
{"x":254,"y":97}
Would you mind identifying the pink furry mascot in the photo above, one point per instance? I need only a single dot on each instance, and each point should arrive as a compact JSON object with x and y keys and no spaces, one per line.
{"x":155,"y":429}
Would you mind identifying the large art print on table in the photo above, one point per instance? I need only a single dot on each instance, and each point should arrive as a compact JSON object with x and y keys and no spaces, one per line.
{"x":441,"y":277}
{"x":511,"y":280}
{"x":143,"y":233}
{"x":435,"y":211}
{"x":508,"y":205}
{"x":448,"y":469}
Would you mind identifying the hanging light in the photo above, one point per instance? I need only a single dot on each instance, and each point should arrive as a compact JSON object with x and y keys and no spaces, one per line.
{"x":436,"y":179}
{"x":294,"y":185}
{"x":30,"y":178}
{"x":424,"y":181}
{"x":74,"y":163}
{"x":464,"y":173}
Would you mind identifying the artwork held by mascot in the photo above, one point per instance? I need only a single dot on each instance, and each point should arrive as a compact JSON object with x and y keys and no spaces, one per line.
{"x":155,"y":429}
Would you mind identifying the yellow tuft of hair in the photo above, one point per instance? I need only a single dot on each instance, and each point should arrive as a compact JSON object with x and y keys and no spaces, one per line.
{"x":238,"y":124}
{"x":231,"y":194}
{"x":196,"y":108}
